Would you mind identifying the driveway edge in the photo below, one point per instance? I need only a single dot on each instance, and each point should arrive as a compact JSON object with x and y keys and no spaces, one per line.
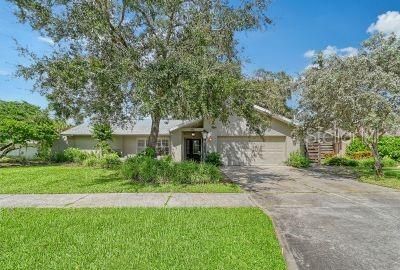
{"x":289,"y":258}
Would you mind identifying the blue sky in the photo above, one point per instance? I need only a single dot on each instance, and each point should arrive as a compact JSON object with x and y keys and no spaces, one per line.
{"x":299,"y":26}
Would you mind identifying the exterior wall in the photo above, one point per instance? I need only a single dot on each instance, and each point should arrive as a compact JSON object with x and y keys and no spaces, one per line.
{"x":25,"y":152}
{"x":237,"y":127}
{"x":129,"y":145}
{"x":177,"y":145}
{"x":125,"y":145}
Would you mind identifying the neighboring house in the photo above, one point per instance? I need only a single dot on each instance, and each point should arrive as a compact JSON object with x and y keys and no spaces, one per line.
{"x":188,"y":140}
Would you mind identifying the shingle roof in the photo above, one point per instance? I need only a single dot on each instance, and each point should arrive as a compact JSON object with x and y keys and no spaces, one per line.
{"x":140,"y":127}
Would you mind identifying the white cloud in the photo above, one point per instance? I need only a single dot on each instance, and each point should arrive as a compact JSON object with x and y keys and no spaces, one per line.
{"x":309,"y":54}
{"x":387,"y":23}
{"x":330,"y":50}
{"x":46,"y":40}
{"x":333,"y":50}
{"x":349,"y":51}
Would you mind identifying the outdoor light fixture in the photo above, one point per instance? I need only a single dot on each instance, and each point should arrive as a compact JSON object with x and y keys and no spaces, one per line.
{"x":193,"y":134}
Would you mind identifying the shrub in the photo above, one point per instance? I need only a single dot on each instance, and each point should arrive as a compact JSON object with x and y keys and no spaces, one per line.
{"x":388,"y":162}
{"x":214,"y":158}
{"x":146,"y":169}
{"x":110,"y":161}
{"x":356,"y":145}
{"x":367,"y":163}
{"x":388,"y":144}
{"x":58,"y":157}
{"x":395,"y":155}
{"x":340,"y":161}
{"x":91,"y":162}
{"x":75,"y":155}
{"x":361,"y":155}
{"x":298,"y":160}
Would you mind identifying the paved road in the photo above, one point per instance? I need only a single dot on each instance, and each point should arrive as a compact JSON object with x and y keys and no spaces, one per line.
{"x":127,"y":200}
{"x":327,"y":221}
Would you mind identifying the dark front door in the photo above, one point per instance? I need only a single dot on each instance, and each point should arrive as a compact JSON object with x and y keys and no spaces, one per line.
{"x":193,"y":149}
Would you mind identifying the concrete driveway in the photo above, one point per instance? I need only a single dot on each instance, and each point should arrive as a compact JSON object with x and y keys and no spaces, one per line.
{"x":325,"y":220}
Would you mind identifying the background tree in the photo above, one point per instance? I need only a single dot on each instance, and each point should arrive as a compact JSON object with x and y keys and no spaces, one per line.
{"x":272,"y":90}
{"x":359,"y":94}
{"x":121,"y":59}
{"x":22,"y":123}
{"x":102,"y":133}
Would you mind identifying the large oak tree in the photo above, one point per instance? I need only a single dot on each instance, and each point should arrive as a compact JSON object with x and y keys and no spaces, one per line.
{"x":124,"y":59}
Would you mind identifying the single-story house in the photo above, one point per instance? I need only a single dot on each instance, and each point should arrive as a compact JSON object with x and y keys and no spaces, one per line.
{"x":188,"y":140}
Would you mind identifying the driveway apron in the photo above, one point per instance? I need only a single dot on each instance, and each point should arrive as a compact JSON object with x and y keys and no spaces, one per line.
{"x":327,"y":220}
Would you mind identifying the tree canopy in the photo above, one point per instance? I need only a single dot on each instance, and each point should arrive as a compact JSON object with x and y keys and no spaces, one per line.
{"x":121,"y":59}
{"x":272,"y":90}
{"x":359,"y":94}
{"x":22,"y":123}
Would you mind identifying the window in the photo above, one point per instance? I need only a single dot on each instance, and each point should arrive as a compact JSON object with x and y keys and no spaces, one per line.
{"x":162,"y":147}
{"x":141,"y":145}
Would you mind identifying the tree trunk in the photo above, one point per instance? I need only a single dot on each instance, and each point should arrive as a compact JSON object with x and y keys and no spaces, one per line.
{"x":377,"y":158}
{"x":5,"y":149}
{"x":155,"y":128}
{"x":375,"y":153}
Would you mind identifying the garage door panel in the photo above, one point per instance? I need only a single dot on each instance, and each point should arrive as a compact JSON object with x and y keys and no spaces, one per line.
{"x":252,"y":150}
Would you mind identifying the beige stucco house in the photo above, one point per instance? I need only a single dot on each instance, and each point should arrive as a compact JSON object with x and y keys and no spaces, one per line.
{"x":189,"y":140}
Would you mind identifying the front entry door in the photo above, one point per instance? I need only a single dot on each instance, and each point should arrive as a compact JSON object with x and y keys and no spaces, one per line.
{"x":193,"y":149}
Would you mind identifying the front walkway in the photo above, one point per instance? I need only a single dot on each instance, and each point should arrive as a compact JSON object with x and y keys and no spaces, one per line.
{"x":126,"y":200}
{"x":325,"y":220}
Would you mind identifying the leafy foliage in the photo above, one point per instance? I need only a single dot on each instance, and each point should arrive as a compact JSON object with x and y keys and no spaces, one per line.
{"x":340,"y":161}
{"x":146,"y":169}
{"x":298,"y":160}
{"x":75,"y":155}
{"x":214,"y":158}
{"x":90,"y":159}
{"x":272,"y":90}
{"x":359,"y":94}
{"x":102,"y":133}
{"x":370,"y":162}
{"x":361,"y":155}
{"x":22,"y":123}
{"x":114,"y":60}
{"x":356,"y":145}
{"x":387,"y":146}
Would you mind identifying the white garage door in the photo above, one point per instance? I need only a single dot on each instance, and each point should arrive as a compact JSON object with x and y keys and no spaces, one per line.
{"x":252,"y":150}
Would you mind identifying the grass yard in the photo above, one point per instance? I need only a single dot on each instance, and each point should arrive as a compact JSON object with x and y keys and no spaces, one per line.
{"x":138,"y":238}
{"x":391,"y":178}
{"x":76,"y":179}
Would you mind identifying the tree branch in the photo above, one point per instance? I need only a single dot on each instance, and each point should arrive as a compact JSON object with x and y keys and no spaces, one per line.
{"x":121,"y":20}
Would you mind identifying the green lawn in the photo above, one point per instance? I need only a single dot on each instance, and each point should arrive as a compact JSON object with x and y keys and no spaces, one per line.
{"x":75,"y":179}
{"x":138,"y":238}
{"x":391,"y":178}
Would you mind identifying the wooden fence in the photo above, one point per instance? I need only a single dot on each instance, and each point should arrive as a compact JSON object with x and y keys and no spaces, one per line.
{"x":316,"y":151}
